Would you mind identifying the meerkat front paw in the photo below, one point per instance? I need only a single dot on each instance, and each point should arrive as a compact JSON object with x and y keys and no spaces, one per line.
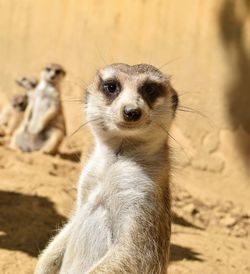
{"x":47,"y":266}
{"x":35,"y":129}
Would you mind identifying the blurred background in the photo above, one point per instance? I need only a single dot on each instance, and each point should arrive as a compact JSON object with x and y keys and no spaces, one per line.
{"x":204,"y":46}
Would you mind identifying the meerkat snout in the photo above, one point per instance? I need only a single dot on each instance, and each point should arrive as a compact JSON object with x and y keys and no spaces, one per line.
{"x":131,"y":113}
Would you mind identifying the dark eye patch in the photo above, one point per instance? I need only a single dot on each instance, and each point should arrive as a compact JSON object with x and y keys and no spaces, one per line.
{"x":33,"y":84}
{"x":57,"y":71}
{"x":150,"y":91}
{"x":175,"y":101}
{"x":110,"y":88}
{"x":48,"y":69}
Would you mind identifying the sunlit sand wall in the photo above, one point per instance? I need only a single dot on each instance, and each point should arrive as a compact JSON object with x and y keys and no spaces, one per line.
{"x":204,"y":45}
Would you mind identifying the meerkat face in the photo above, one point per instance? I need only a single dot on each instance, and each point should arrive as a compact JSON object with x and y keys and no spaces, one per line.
{"x":131,"y":100}
{"x":27,"y":83}
{"x":19,"y":102}
{"x":53,"y":73}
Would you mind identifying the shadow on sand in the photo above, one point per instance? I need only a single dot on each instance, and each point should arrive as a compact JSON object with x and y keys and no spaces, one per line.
{"x":232,"y":24}
{"x":179,"y":253}
{"x":27,"y":222}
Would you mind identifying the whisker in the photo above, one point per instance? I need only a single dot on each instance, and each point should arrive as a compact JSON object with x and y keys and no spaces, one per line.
{"x":79,"y":83}
{"x":98,"y":51}
{"x":168,"y":62}
{"x":83,"y":125}
{"x":187,"y":92}
{"x":169,"y":135}
{"x":72,"y":101}
{"x":194,"y":111}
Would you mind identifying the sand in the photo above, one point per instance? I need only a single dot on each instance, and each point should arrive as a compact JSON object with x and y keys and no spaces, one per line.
{"x":37,"y":194}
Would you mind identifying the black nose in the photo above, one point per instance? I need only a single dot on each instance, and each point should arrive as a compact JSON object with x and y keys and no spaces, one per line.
{"x":131,"y":114}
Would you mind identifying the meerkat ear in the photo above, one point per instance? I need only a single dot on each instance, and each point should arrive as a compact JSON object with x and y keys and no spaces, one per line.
{"x":63,"y":72}
{"x":174,"y":99}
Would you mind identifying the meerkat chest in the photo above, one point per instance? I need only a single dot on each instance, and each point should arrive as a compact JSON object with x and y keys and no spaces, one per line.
{"x":96,"y":223}
{"x":42,"y":103}
{"x":91,"y":235}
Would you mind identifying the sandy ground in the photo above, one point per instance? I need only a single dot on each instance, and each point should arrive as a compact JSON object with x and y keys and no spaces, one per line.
{"x":37,"y":194}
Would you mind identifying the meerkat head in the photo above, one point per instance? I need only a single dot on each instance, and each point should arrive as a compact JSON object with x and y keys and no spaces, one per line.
{"x":126,"y":100}
{"x":19,"y":102}
{"x":28,"y":83}
{"x":53,"y":73}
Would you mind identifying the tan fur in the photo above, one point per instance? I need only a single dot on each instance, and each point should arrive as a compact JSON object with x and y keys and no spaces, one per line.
{"x":5,"y":117}
{"x":12,"y":115}
{"x":122,"y":219}
{"x":43,"y":127}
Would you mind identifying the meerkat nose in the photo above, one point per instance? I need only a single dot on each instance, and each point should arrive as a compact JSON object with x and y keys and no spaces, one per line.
{"x":131,"y":113}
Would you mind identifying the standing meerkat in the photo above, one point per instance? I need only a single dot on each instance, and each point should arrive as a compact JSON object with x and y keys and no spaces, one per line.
{"x":122,"y":219}
{"x":12,"y":115}
{"x":43,"y":127}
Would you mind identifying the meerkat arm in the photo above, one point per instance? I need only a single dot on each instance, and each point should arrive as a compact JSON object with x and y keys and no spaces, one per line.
{"x":5,"y":117}
{"x":50,"y":260}
{"x":52,"y":144}
{"x":46,"y":118}
{"x":14,"y":123}
{"x":27,"y":113}
{"x":140,"y":249}
{"x":6,"y":114}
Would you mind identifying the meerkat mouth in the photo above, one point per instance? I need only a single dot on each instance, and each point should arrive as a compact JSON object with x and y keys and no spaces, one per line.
{"x":132,"y":126}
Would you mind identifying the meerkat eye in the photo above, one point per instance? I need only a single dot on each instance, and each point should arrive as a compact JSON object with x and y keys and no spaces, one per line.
{"x":48,"y":69}
{"x":57,"y":71}
{"x":110,"y":87}
{"x":151,"y":90}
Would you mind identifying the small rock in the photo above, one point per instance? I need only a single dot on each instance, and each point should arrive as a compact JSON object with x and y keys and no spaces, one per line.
{"x":246,"y":215}
{"x":190,"y":208}
{"x":239,"y":233}
{"x":218,"y":215}
{"x":228,"y":221}
{"x":237,"y":211}
{"x":227,"y":206}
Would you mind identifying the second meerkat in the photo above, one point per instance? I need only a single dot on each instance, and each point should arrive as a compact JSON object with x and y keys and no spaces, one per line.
{"x":43,"y":127}
{"x":13,"y":113}
{"x":122,"y":219}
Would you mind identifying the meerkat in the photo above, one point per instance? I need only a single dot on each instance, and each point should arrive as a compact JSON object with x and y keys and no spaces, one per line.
{"x":12,"y":115}
{"x":122,"y":219}
{"x":29,"y":84}
{"x":43,"y":127}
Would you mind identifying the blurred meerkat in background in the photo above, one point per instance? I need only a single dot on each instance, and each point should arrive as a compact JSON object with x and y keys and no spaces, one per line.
{"x":122,"y":219}
{"x":13,"y":113}
{"x":29,"y":84}
{"x":43,"y":127}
